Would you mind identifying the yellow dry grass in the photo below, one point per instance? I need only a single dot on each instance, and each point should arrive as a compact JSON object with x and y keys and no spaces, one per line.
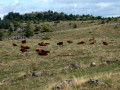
{"x":14,"y":63}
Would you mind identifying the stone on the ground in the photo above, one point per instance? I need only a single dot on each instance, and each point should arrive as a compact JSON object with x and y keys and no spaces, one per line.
{"x":35,"y":74}
{"x":8,"y":80}
{"x":74,"y":66}
{"x":61,"y":85}
{"x":98,"y":82}
{"x":92,"y":64}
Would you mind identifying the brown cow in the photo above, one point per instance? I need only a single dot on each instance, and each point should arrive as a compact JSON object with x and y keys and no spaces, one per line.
{"x":82,"y":42}
{"x":23,"y":50}
{"x":70,"y":41}
{"x":47,"y":43}
{"x":25,"y":47}
{"x":23,"y":41}
{"x":43,"y":44}
{"x":93,"y":42}
{"x":43,"y":53}
{"x":38,"y":49}
{"x":92,"y":39}
{"x":15,"y":44}
{"x":60,"y":43}
{"x":105,"y":43}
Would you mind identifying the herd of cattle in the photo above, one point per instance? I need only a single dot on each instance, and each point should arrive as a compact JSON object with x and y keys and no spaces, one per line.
{"x":44,"y":52}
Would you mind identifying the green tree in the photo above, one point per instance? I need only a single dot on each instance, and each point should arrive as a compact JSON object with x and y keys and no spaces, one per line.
{"x":28,"y":30}
{"x":40,"y":16}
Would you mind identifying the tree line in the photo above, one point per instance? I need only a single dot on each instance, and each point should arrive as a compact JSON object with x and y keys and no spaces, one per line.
{"x":47,"y":16}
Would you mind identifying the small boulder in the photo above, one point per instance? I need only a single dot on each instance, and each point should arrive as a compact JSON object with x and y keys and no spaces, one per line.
{"x":8,"y":80}
{"x":69,"y":54}
{"x":74,"y":66}
{"x":27,"y":75}
{"x":35,"y":74}
{"x":43,"y":73}
{"x":61,"y":85}
{"x":98,"y":82}
{"x":93,"y":64}
{"x":52,"y":73}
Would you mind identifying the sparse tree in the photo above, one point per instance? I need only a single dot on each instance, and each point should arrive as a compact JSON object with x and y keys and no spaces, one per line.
{"x":28,"y":30}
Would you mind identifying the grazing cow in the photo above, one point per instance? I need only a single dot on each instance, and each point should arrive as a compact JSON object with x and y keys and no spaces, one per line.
{"x":93,"y":42}
{"x":23,"y":50}
{"x":38,"y":49}
{"x":43,"y":53}
{"x":82,"y":42}
{"x":25,"y":47}
{"x":47,"y":43}
{"x":105,"y":43}
{"x":43,"y":44}
{"x":14,"y":44}
{"x":23,"y":41}
{"x":70,"y":41}
{"x":60,"y":43}
{"x":92,"y":39}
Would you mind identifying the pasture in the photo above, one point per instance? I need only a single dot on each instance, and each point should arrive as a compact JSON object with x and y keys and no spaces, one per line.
{"x":15,"y":64}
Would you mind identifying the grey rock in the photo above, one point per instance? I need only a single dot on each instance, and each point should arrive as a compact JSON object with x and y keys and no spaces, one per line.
{"x":27,"y":75}
{"x":97,"y":82}
{"x":52,"y":73}
{"x":43,"y":73}
{"x":8,"y":80}
{"x":74,"y":66}
{"x":92,"y":64}
{"x":61,"y":85}
{"x":35,"y":74}
{"x":112,"y":61}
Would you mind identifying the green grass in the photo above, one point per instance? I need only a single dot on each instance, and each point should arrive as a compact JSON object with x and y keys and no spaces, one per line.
{"x":15,"y":64}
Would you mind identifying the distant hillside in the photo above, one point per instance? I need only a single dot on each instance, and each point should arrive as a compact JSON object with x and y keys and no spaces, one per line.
{"x":48,"y":16}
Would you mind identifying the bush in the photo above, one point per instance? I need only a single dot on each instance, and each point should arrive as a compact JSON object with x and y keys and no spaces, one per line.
{"x":29,"y":33}
{"x":11,"y":29}
{"x":37,"y":28}
{"x":116,"y":27}
{"x":1,"y":35}
{"x":74,"y":26}
{"x":46,"y":28}
{"x":16,"y":24}
{"x":28,"y":30}
{"x":70,"y":24}
{"x":57,"y":22}
{"x":46,"y":38}
{"x":102,"y":22}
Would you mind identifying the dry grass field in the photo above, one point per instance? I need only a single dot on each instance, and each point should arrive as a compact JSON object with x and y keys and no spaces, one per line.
{"x":14,"y":64}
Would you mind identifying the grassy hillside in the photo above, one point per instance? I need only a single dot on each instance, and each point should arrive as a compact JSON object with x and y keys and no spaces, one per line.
{"x":14,"y":64}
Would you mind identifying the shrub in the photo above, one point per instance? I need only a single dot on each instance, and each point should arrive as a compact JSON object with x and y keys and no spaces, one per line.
{"x":46,"y":28}
{"x":29,"y":33}
{"x":115,"y":27}
{"x":11,"y":29}
{"x":57,"y":22}
{"x":102,"y":22}
{"x":16,"y":24}
{"x":1,"y":35}
{"x":70,"y":24}
{"x":46,"y":38}
{"x":74,"y":26}
{"x":28,"y":30}
{"x":37,"y":28}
